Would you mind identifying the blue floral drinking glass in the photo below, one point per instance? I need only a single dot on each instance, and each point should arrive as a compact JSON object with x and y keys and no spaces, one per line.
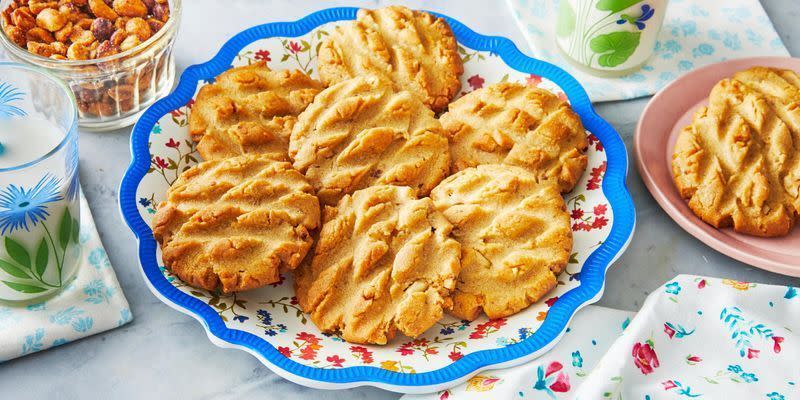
{"x":39,"y":191}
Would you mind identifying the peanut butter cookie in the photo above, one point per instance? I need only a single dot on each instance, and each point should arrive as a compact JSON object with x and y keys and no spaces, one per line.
{"x":233,"y":224}
{"x":384,"y":262}
{"x":516,"y":124}
{"x":249,"y":109}
{"x":738,"y":163}
{"x":413,"y":49}
{"x":514,"y":233}
{"x":360,"y":133}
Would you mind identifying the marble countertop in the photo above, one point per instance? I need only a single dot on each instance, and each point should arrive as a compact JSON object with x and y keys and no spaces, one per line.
{"x":164,"y":353}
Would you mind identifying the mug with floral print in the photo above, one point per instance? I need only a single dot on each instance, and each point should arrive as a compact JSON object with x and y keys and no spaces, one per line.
{"x":609,"y":37}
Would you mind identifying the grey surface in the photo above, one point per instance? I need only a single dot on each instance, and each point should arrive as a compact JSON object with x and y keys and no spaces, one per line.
{"x":165,"y":354}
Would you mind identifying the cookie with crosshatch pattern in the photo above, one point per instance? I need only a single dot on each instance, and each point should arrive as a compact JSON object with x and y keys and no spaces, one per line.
{"x":234,"y":224}
{"x":516,"y":124}
{"x":738,"y":163}
{"x":361,"y":132}
{"x":515,"y":238}
{"x":249,"y":110}
{"x":413,"y":49}
{"x":384,"y":262}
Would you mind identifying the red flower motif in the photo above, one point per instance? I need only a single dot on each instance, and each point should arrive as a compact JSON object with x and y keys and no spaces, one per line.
{"x":335,"y":360}
{"x":644,"y":357}
{"x":752,"y":353}
{"x":581,"y":226}
{"x":431,"y":351}
{"x":596,"y":177}
{"x":176,"y":113}
{"x":172,"y":143}
{"x":551,"y":301}
{"x":577,"y":213}
{"x":295,"y":47}
{"x":533,"y":80}
{"x":263,"y":55}
{"x":669,"y":331}
{"x":777,"y":346}
{"x":308,"y":352}
{"x":363,"y":353}
{"x":561,"y":383}
{"x":669,"y":385}
{"x":594,"y":140}
{"x":308,"y":338}
{"x":445,"y":395}
{"x":294,"y":300}
{"x":701,"y":284}
{"x":160,"y":163}
{"x":285,"y":351}
{"x":189,"y":104}
{"x":599,"y":222}
{"x":694,"y":359}
{"x":455,"y":355}
{"x":496,"y":323}
{"x":405,"y":351}
{"x":600,"y":209}
{"x":475,"y":82}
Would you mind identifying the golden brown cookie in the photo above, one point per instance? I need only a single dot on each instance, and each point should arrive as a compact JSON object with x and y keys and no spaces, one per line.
{"x":249,"y":109}
{"x":738,"y":163}
{"x":514,"y":233}
{"x":233,"y":224}
{"x":516,"y":124}
{"x":360,"y":133}
{"x":384,"y":262}
{"x":413,"y":49}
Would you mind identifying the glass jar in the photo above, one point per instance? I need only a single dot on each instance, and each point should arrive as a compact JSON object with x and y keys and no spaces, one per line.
{"x":39,"y":190}
{"x":113,"y":91}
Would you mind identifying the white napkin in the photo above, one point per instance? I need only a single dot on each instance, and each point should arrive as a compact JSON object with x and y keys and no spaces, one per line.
{"x":91,"y":304}
{"x":694,"y":337}
{"x":695,"y":33}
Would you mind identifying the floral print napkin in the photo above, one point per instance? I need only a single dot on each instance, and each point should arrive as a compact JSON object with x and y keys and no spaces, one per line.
{"x":695,"y":33}
{"x":92,"y":303}
{"x":695,"y":337}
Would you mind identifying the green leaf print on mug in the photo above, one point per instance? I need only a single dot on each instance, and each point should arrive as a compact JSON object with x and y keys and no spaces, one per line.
{"x":614,"y":6}
{"x":566,"y":19}
{"x":614,"y":48}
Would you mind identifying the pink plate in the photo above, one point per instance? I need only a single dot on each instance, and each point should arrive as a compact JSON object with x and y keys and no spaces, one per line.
{"x":663,"y":118}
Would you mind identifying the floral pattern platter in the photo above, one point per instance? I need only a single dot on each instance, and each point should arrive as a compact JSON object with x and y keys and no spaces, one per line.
{"x":268,"y":322}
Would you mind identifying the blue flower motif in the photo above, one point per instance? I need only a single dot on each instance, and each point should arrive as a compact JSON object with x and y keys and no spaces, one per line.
{"x":156,"y":129}
{"x":775,"y":396}
{"x":524,"y":333}
{"x":703,"y":49}
{"x":647,"y":13}
{"x":33,"y":342}
{"x":144,"y":202}
{"x":264,"y":316}
{"x":19,"y":207}
{"x":791,"y":292}
{"x":749,"y":377}
{"x":8,"y":94}
{"x":447,"y":331}
{"x":240,"y":318}
{"x":577,"y":360}
{"x":673,"y":288}
{"x":685,"y":65}
{"x":736,"y":369}
{"x":60,"y":341}
{"x":83,"y":324}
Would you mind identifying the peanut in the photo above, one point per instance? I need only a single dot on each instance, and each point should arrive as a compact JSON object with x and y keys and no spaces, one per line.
{"x":51,"y":19}
{"x":101,"y":10}
{"x":38,"y":6}
{"x":78,"y":51}
{"x":130,"y":8}
{"x":63,"y":34}
{"x":81,"y":36}
{"x":39,"y":35}
{"x":16,"y":35}
{"x":129,"y":43}
{"x":140,"y":28}
{"x":42,"y":49}
{"x":23,"y":18}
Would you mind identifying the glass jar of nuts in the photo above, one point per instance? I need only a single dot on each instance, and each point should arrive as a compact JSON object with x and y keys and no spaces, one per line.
{"x":116,"y":55}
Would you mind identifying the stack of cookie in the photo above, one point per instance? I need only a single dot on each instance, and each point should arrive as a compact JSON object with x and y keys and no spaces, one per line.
{"x":410,"y":215}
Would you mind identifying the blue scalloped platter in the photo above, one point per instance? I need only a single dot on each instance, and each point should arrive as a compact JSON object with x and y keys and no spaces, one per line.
{"x":268,"y":323}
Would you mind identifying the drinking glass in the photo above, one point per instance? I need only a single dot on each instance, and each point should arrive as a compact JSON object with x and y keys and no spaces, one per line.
{"x":39,"y":190}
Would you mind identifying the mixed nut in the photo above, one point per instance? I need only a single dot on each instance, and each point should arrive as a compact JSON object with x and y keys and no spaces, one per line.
{"x":82,"y":29}
{"x":96,"y":29}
